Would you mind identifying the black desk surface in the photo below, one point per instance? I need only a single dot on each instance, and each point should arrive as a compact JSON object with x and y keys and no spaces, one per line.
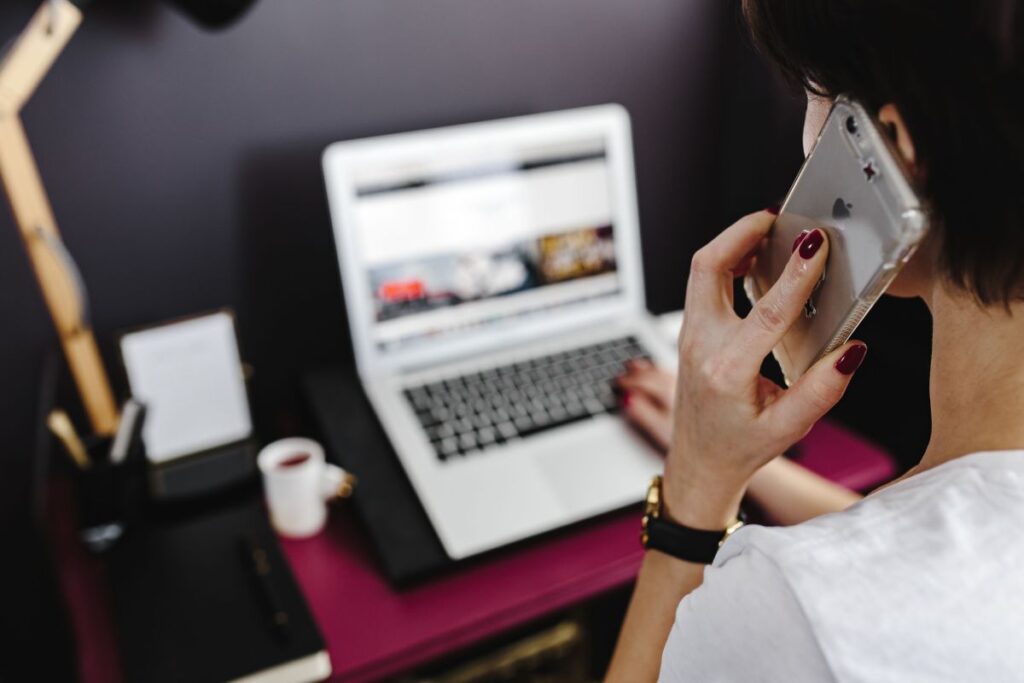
{"x":404,"y":540}
{"x":187,"y":606}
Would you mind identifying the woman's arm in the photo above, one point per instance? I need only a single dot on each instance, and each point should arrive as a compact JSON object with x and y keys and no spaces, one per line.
{"x":728,"y":421}
{"x":787,"y":492}
{"x":663,"y":581}
{"x":790,"y":493}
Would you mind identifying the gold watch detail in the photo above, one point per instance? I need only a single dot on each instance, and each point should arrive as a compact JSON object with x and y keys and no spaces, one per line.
{"x":654,"y":504}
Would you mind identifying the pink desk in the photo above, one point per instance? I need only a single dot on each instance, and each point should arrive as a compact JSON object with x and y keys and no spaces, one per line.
{"x":373,"y":631}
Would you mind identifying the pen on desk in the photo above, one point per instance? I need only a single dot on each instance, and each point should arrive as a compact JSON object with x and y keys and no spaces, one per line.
{"x":62,"y":428}
{"x":128,"y":430}
{"x":258,"y":562}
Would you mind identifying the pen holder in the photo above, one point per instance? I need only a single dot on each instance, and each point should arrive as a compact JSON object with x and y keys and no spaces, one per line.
{"x":102,"y":494}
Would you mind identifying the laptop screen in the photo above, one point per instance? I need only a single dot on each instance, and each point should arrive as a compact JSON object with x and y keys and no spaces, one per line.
{"x":484,"y":240}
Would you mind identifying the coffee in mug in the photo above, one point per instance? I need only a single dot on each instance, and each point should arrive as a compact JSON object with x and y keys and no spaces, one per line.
{"x":298,"y":483}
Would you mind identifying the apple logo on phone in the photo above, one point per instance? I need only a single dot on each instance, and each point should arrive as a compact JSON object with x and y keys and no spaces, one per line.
{"x":840,"y":209}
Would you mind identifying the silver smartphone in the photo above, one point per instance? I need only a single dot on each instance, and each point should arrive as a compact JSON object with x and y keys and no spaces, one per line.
{"x":854,"y":186}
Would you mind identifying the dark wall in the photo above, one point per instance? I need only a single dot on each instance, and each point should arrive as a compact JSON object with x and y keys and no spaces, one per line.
{"x":184,"y":166}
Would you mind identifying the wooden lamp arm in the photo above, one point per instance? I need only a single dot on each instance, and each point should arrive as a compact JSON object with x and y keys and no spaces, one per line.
{"x":35,"y":50}
{"x":20,"y":73}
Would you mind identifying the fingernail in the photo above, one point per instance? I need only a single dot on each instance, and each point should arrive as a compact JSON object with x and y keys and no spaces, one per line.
{"x":773,"y":209}
{"x":799,"y":239}
{"x":851,"y":360}
{"x":810,"y":244}
{"x":626,"y":399}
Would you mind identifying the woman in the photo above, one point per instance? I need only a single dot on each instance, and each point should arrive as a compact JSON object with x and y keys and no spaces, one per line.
{"x":923,"y":579}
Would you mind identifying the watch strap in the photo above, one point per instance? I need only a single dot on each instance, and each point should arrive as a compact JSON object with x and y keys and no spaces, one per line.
{"x":692,"y":545}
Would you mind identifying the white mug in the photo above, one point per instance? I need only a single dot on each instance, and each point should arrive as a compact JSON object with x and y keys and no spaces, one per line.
{"x":298,"y":483}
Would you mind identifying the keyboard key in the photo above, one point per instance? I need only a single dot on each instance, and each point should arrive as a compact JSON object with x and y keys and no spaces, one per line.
{"x":575,"y":409}
{"x":446,"y":447}
{"x":524,"y":424}
{"x":507,"y":430}
{"x":486,"y":436}
{"x":540,"y":419}
{"x":610,"y":401}
{"x":467,"y":441}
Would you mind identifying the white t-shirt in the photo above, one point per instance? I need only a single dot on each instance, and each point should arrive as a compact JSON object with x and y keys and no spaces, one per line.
{"x":922,"y":581}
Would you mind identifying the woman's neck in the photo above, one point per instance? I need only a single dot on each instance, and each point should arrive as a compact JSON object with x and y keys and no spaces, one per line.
{"x":977,"y":377}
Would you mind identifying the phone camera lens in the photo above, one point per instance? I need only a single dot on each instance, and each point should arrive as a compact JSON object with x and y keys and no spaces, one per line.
{"x":851,"y":125}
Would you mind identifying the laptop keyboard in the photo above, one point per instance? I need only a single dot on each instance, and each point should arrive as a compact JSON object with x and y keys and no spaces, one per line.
{"x":471,"y":412}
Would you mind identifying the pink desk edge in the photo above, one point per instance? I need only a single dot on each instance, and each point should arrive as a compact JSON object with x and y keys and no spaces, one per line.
{"x":373,"y":631}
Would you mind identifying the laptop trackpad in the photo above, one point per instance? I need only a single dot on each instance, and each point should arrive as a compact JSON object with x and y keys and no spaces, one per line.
{"x":598,"y":465}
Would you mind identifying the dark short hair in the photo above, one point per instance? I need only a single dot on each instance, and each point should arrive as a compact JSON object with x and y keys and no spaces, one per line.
{"x":954,"y":70}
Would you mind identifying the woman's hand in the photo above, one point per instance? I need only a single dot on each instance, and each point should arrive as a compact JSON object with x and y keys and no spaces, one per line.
{"x":728,"y":419}
{"x":785,"y":491}
{"x":648,"y":394}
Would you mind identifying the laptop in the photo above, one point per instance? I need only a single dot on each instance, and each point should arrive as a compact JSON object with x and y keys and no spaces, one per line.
{"x":494,"y":288}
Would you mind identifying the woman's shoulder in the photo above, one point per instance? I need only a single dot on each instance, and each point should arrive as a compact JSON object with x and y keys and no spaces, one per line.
{"x":980,"y":493}
{"x":873,"y":581}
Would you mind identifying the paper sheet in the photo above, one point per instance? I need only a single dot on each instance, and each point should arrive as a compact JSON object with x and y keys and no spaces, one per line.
{"x":189,"y":375}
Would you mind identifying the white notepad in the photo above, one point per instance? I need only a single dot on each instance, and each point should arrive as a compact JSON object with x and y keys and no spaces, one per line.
{"x":189,"y":375}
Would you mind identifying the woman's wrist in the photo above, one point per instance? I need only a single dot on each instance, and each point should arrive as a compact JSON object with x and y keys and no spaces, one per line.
{"x":699,"y":501}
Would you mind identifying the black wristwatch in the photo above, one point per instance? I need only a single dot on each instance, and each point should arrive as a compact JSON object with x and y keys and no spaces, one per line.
{"x":692,"y":545}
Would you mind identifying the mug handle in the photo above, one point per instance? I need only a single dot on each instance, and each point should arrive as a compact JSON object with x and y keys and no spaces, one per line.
{"x":336,"y":483}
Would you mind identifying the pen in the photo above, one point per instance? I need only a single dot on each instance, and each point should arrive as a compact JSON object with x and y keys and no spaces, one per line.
{"x":259,"y":564}
{"x":132,"y":415}
{"x":61,"y":427}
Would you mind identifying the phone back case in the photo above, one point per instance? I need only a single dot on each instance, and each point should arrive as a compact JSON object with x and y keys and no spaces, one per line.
{"x":853,"y":187}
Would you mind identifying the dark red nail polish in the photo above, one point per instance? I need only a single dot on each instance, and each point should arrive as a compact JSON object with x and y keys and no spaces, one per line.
{"x":799,"y":239}
{"x":626,"y":399}
{"x":851,"y":360}
{"x":810,"y":244}
{"x":773,"y":209}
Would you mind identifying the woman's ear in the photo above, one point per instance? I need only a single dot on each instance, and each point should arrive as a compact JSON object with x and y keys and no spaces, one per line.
{"x":893,"y":124}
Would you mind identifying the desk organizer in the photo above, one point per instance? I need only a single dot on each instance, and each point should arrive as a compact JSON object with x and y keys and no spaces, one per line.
{"x":102,"y":495}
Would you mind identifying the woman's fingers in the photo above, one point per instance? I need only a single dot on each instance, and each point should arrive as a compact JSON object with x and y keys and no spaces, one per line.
{"x":657,"y":384}
{"x":709,"y":288}
{"x":815,"y":393}
{"x":649,"y":417}
{"x":773,"y":315}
